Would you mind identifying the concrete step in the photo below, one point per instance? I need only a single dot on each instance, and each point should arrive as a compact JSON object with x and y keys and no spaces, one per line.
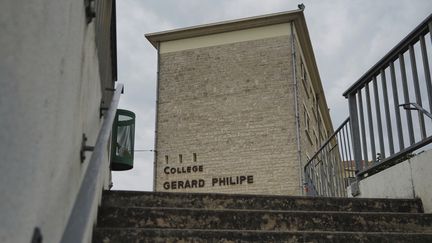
{"x":261,"y":202}
{"x":120,"y":235}
{"x":267,"y":220}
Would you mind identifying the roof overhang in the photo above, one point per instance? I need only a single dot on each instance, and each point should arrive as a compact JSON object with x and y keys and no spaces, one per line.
{"x":224,"y":26}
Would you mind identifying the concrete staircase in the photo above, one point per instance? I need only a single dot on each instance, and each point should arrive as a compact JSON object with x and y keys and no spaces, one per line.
{"x":127,"y":216}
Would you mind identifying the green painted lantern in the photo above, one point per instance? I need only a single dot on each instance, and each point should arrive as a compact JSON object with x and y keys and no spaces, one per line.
{"x":123,"y":138}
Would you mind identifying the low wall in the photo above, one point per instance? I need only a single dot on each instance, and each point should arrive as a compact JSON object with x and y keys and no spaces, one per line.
{"x":409,"y":179}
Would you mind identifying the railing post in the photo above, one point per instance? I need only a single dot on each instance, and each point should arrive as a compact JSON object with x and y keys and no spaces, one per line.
{"x":355,"y":132}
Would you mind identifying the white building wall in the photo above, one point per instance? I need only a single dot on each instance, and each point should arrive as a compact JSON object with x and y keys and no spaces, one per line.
{"x":409,"y":179}
{"x":49,"y":96}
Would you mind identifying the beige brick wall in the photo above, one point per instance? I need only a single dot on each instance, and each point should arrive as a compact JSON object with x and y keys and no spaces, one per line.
{"x":233,"y":106}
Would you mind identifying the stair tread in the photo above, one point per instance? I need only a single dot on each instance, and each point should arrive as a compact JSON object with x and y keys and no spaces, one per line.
{"x":252,"y":196}
{"x":258,"y":231}
{"x":247,"y":201}
{"x":263,"y":219}
{"x":197,"y":235}
{"x":107,"y":208}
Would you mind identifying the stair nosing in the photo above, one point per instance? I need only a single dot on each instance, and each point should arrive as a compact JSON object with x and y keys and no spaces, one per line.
{"x":194,"y":194}
{"x":261,"y":231}
{"x":264,"y":210}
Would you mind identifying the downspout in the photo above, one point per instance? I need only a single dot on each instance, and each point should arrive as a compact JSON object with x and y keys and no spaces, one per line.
{"x":156,"y":119}
{"x":297,"y":116}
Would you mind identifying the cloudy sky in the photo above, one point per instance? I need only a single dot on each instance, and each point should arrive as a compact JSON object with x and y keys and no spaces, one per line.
{"x":348,"y":37}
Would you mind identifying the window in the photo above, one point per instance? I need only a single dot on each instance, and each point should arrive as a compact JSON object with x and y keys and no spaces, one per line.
{"x":194,"y":157}
{"x":317,"y":144}
{"x":180,"y":158}
{"x":307,"y":124}
{"x":303,"y":75}
{"x":306,"y":118}
{"x":166,"y":159}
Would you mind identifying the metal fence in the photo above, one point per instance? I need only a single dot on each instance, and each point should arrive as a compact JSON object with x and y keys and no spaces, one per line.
{"x":390,"y":104}
{"x":331,"y":169}
{"x":389,"y":118}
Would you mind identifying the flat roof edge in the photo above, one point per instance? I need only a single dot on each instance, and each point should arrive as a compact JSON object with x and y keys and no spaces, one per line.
{"x":223,"y":26}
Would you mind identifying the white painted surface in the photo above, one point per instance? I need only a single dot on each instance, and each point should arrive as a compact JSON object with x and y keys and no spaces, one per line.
{"x":49,"y":96}
{"x":421,"y":170}
{"x":226,"y":38}
{"x":409,"y":179}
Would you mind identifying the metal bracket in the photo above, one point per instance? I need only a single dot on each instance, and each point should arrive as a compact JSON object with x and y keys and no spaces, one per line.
{"x":37,"y":236}
{"x":90,"y":10}
{"x":417,"y":107}
{"x":101,"y":111}
{"x":84,"y":148}
{"x":355,"y":188}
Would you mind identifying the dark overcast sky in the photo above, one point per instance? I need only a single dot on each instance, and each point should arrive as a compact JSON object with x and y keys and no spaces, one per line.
{"x":348,"y":37}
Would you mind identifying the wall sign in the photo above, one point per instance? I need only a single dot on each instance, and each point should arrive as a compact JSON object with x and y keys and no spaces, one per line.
{"x":202,"y":182}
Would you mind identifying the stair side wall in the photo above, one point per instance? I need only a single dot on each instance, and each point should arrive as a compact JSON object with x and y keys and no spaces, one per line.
{"x":50,"y":95}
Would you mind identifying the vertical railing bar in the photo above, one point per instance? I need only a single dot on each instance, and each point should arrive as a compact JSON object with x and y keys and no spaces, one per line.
{"x":342,"y":155}
{"x":322,"y":178}
{"x":319,"y":174}
{"x":323,"y":172}
{"x":348,"y":159}
{"x":430,"y":31}
{"x":319,"y":178}
{"x":355,"y":133}
{"x":328,"y":174}
{"x":352,"y":163}
{"x":340,"y":173}
{"x":348,"y":142}
{"x":370,"y":122}
{"x":362,"y":126}
{"x":426,"y":70}
{"x":338,"y":163}
{"x":311,"y":182}
{"x":396,"y":106}
{"x":417,"y":90}
{"x":315,"y":176}
{"x":378,"y":113}
{"x":317,"y":169}
{"x":335,"y":174}
{"x":387,"y":112}
{"x":406,"y":98}
{"x":311,"y":176}
{"x":315,"y":180}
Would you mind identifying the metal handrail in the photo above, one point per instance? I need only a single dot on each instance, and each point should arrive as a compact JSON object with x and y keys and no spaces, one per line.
{"x":384,"y":139}
{"x":391,"y":56}
{"x":326,"y":172}
{"x":327,"y":141}
{"x":81,"y":213}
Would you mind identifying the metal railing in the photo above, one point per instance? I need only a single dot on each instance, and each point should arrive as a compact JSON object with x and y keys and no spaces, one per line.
{"x":331,"y":169}
{"x":384,"y":127}
{"x":85,"y":203}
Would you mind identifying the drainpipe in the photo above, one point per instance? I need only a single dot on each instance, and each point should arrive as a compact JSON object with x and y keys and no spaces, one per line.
{"x":297,"y":116}
{"x":156,"y":120}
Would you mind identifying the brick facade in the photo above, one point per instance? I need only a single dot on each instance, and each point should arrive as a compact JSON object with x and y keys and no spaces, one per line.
{"x":233,"y":107}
